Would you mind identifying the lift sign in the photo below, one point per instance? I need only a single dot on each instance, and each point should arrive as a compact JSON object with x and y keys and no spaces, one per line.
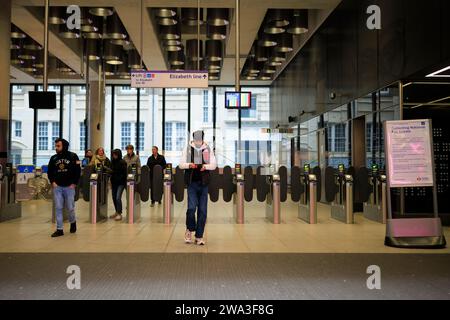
{"x":409,"y":155}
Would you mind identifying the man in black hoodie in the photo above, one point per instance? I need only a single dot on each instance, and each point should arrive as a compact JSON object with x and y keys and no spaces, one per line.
{"x":64,"y":173}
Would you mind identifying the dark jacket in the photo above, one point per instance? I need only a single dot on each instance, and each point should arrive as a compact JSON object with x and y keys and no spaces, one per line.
{"x":64,"y":168}
{"x":119,"y":170}
{"x":152,"y":162}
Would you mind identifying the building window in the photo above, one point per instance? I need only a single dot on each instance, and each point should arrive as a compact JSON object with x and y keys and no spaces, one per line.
{"x":141,"y":136}
{"x":181,"y":135}
{"x":205,"y":113}
{"x":250,"y":113}
{"x":55,"y":130}
{"x":125,"y":134}
{"x":17,"y":159}
{"x":205,"y":98}
{"x":82,"y":136}
{"x":42,"y":135}
{"x":339,"y":137}
{"x":128,"y":90}
{"x":370,"y":143}
{"x":168,"y":136}
{"x":18,"y":129}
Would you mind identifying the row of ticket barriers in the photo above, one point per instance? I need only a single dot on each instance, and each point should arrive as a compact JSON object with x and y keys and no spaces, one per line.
{"x":343,"y":187}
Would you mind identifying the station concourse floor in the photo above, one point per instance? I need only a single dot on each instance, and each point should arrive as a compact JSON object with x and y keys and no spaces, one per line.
{"x":31,"y":233}
{"x":253,"y":261}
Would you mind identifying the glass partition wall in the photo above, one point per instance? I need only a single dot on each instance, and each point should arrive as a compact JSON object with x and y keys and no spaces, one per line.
{"x":145,"y":118}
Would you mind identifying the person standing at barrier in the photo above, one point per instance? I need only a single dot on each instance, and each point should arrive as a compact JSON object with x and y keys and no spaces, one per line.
{"x":154,"y":160}
{"x":100,"y":159}
{"x":197,"y":160}
{"x":132,"y":159}
{"x":87,"y":158}
{"x":118,"y":182}
{"x":64,"y":173}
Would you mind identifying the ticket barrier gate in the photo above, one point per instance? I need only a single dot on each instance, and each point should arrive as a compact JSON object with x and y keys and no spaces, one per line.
{"x":133,"y":199}
{"x":9,"y":207}
{"x":273,"y":201}
{"x":98,"y":195}
{"x":168,"y":195}
{"x":375,"y":204}
{"x":307,"y":208}
{"x":339,"y":190}
{"x":238,"y":195}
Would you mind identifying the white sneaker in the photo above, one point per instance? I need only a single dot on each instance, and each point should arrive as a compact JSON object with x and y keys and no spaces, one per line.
{"x":118,"y":217}
{"x":200,"y":241}
{"x":188,"y":237}
{"x":113,"y":216}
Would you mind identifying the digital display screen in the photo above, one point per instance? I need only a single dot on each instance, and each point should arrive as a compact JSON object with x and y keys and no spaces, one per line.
{"x":42,"y":100}
{"x":238,"y":100}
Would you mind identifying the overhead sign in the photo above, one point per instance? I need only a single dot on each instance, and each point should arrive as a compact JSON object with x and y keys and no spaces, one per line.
{"x":409,"y":154}
{"x":169,"y":79}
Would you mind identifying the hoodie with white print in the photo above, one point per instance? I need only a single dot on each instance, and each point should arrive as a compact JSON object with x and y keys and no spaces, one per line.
{"x":203,"y":155}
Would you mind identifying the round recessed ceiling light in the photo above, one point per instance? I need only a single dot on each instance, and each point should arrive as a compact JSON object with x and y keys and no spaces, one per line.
{"x":192,"y":46}
{"x":165,"y":12}
{"x":101,"y":12}
{"x":218,"y":16}
{"x":170,"y":32}
{"x":189,"y":16}
{"x":56,"y":15}
{"x":214,"y":50}
{"x":286,"y":43}
{"x":66,"y":33}
{"x":267,"y":40}
{"x":114,"y":28}
{"x":16,"y":33}
{"x":299,"y":23}
{"x":167,"y":21}
{"x":216,"y":32}
{"x":278,"y":17}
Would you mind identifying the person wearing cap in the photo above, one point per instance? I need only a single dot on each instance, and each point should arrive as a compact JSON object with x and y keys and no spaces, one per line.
{"x":64,"y":172}
{"x":197,"y":160}
{"x":132,"y":158}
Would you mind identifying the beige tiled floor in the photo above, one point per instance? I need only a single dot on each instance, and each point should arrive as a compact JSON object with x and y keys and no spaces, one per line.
{"x":31,"y":233}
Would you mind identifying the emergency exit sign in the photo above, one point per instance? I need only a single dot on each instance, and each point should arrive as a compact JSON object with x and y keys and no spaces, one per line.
{"x":169,"y":79}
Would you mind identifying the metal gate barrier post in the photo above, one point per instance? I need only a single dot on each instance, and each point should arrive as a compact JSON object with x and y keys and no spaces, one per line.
{"x":167,"y":195}
{"x":238,"y":196}
{"x":133,"y":200}
{"x":9,"y":208}
{"x":307,"y":209}
{"x":375,"y":208}
{"x":273,"y":206}
{"x":342,"y":206}
{"x":98,"y":201}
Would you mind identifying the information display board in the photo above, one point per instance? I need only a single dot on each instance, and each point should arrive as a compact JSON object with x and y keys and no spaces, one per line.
{"x":409,"y":153}
{"x":238,"y":100}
